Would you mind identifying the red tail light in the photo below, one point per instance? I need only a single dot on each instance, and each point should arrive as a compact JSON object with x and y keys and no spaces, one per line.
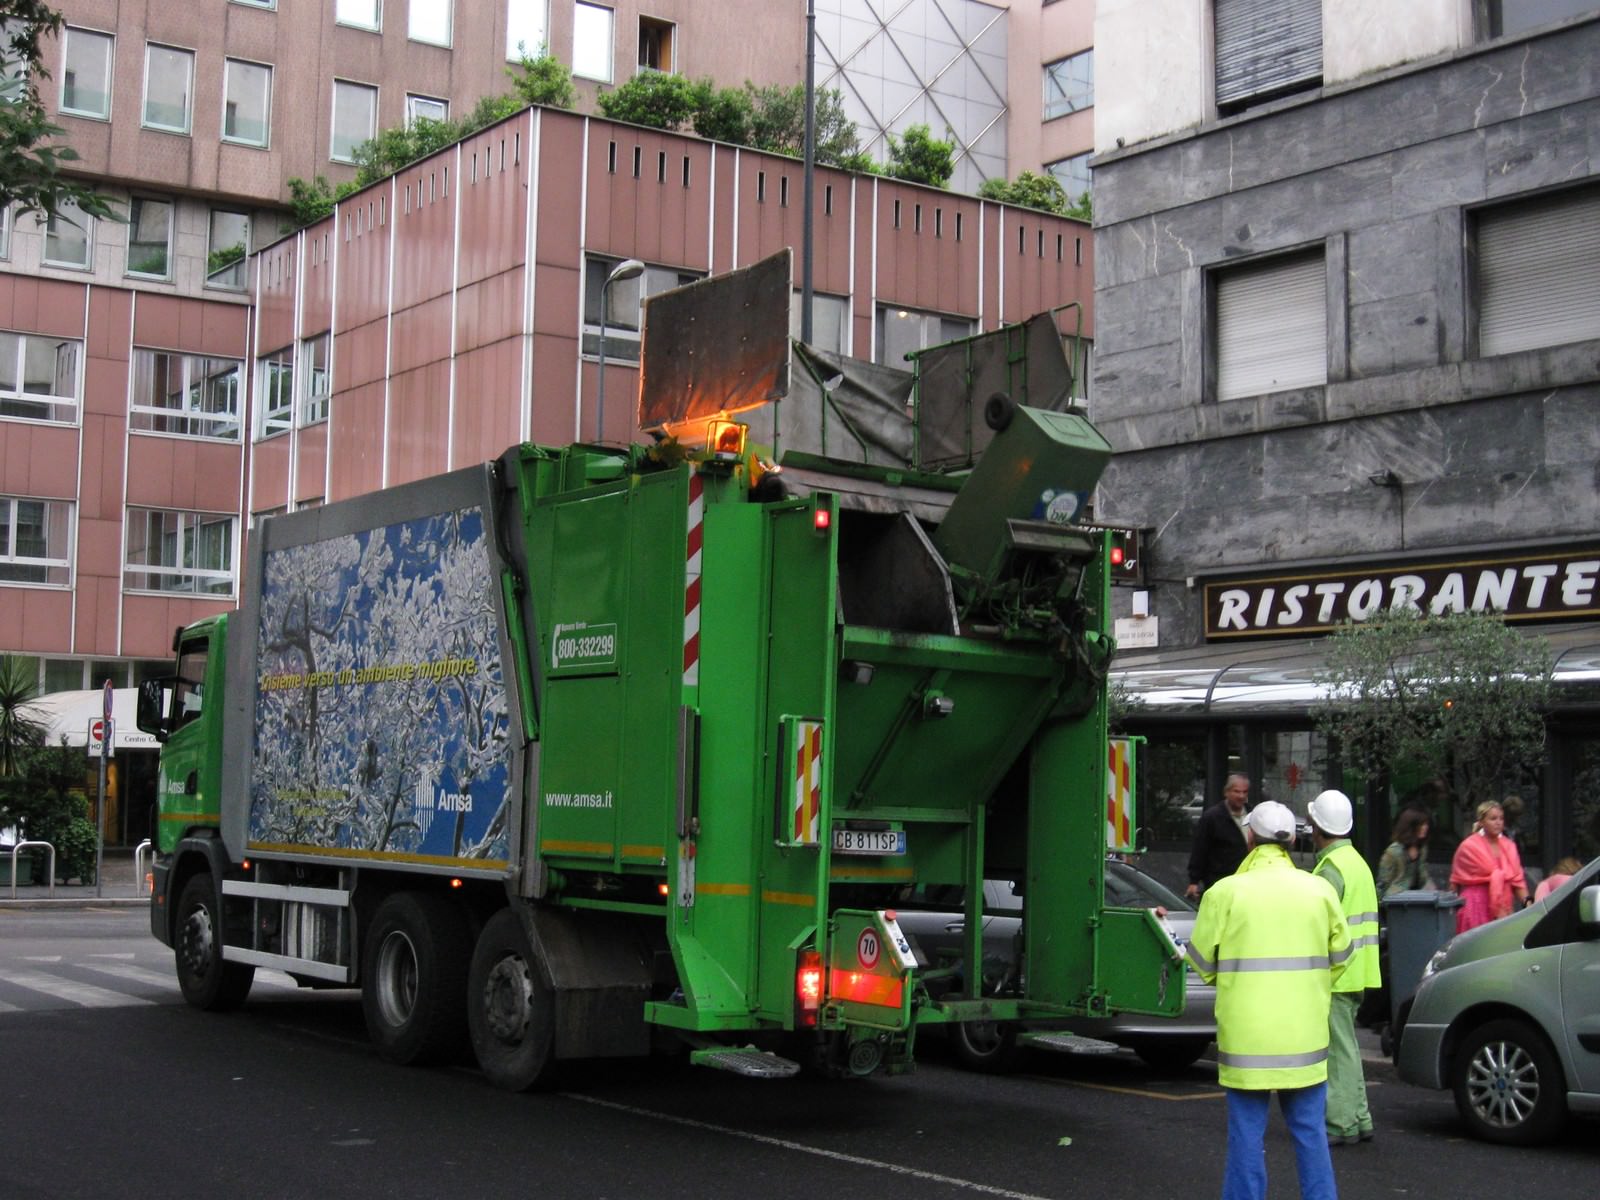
{"x":808,"y":987}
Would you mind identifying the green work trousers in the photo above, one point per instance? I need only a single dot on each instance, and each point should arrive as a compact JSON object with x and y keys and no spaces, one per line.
{"x":1348,"y":1116}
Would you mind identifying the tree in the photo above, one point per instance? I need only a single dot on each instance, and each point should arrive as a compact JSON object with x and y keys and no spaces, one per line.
{"x":1459,"y":694}
{"x":18,"y":730}
{"x":919,"y":157}
{"x":1029,"y":190}
{"x":31,"y":176}
{"x":543,"y":79}
{"x":654,"y":98}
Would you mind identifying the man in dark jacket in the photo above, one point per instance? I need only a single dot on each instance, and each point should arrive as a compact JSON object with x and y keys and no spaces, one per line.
{"x":1219,"y":845}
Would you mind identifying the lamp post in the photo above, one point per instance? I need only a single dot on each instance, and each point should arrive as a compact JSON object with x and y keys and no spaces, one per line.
{"x":630,"y":268}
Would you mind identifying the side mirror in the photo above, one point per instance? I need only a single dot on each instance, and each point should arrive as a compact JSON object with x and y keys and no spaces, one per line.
{"x":150,"y":715}
{"x":1589,"y":905}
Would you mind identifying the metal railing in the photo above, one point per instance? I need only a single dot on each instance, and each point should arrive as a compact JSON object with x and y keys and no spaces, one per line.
{"x":144,"y":857}
{"x":30,"y":846}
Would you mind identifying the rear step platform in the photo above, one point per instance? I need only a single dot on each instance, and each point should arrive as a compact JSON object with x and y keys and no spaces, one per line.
{"x":745,"y":1060}
{"x":1069,"y":1043}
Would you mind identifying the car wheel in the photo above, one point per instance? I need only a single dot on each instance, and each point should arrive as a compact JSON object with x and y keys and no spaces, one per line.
{"x":1171,"y":1053}
{"x":414,"y":979}
{"x":1508,"y":1084}
{"x":510,"y":1007}
{"x":205,"y":976}
{"x":989,"y":1046}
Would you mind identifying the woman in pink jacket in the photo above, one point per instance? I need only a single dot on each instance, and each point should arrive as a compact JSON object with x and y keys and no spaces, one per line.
{"x":1487,"y":871}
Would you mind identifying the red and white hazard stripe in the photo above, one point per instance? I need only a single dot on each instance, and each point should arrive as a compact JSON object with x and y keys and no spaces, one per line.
{"x":691,"y":582}
{"x":807,"y":782}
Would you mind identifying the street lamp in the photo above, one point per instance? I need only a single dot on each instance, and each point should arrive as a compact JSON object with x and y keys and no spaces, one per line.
{"x":630,"y":268}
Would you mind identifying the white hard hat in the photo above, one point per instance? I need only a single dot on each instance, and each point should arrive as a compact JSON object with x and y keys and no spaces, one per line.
{"x":1331,"y":813}
{"x":1272,"y":822}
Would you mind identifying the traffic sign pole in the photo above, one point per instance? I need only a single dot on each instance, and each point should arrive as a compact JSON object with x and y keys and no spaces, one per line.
{"x":100,"y":803}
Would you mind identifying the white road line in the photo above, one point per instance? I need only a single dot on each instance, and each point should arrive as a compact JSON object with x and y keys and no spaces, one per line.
{"x":44,"y":958}
{"x":165,"y":980}
{"x":84,"y":994}
{"x":125,"y":957}
{"x":4,"y":1007}
{"x":817,"y":1151}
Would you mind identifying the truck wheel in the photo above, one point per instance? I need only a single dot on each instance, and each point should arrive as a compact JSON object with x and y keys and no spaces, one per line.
{"x":1170,"y":1053}
{"x":208,"y":980}
{"x":1508,"y":1085}
{"x":988,"y":1046}
{"x":414,"y":978}
{"x":510,"y":1008}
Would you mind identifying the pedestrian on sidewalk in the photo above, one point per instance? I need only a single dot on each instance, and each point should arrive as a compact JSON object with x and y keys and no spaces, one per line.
{"x":1219,"y":845}
{"x":1273,"y":941}
{"x":1349,"y":1119}
{"x":1487,"y":871}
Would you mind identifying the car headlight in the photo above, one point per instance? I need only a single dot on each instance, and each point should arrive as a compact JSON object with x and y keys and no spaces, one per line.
{"x":1435,"y":963}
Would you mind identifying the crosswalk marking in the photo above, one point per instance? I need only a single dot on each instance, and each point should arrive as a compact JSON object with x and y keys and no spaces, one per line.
{"x":84,"y":994}
{"x":160,"y":979}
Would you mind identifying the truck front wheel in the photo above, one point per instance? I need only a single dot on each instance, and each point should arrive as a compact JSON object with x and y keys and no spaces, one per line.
{"x":414,"y":978}
{"x":208,"y":981}
{"x":510,"y":1007}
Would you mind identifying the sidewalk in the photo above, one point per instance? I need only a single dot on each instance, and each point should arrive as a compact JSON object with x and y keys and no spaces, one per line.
{"x":118,"y":888}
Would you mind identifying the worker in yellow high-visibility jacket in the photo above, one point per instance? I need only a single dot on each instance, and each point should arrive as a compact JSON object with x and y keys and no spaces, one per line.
{"x":1332,"y":817}
{"x":1273,"y":939}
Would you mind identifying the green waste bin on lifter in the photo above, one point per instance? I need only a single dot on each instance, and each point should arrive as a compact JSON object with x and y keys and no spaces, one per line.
{"x":1417,"y":923}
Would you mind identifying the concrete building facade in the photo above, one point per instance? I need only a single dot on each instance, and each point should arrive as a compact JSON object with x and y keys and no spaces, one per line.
{"x":1348,"y":300}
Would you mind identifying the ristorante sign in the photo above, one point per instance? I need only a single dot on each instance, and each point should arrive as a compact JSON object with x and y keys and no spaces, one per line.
{"x":1545,"y":587}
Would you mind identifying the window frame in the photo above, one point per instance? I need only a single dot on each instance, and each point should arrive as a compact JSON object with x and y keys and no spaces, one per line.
{"x":227,"y":92}
{"x":348,"y":22}
{"x":1252,"y":89}
{"x":1547,"y":271}
{"x":193,"y":393}
{"x":412,"y":116}
{"x":412,"y":8}
{"x":880,"y":329}
{"x":188,"y":91}
{"x":5,"y":231}
{"x":47,"y":562}
{"x":580,"y":9}
{"x":50,"y":224}
{"x":242,"y":262}
{"x":834,"y":306}
{"x":186,"y":540}
{"x":1491,"y":22}
{"x":275,"y":401}
{"x":1282,"y":261}
{"x":1069,"y":103}
{"x":333,"y":125}
{"x":21,"y":396}
{"x":622,"y":342}
{"x":110,"y":39}
{"x":532,"y":8}
{"x":663,"y":34}
{"x":315,"y":401}
{"x":165,"y":274}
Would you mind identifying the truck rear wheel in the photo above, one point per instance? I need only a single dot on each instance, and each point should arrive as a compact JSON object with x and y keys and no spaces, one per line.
{"x":510,"y":1007}
{"x":207,"y":980}
{"x":414,"y":978}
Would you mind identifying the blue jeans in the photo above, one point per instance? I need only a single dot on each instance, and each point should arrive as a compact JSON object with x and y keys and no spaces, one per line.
{"x":1245,"y":1175}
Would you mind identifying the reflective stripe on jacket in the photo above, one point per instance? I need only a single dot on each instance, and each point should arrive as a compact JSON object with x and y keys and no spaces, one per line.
{"x":1360,"y":904}
{"x":1272,"y":939}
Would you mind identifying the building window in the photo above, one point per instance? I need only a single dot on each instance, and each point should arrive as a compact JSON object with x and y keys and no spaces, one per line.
{"x":68,"y":237}
{"x":39,"y":377}
{"x":1515,"y":16}
{"x":1271,"y":326}
{"x":5,"y":231}
{"x":1072,"y":174}
{"x":830,"y":321}
{"x":426,"y":108}
{"x":35,"y":541}
{"x":624,"y":304}
{"x":168,"y":79}
{"x":86,"y":73}
{"x":1537,"y":272}
{"x":657,"y":41}
{"x":355,"y":118}
{"x":188,"y":395}
{"x":430,"y":21}
{"x":904,"y":330}
{"x":227,"y":250}
{"x":179,"y":552}
{"x":275,"y":386}
{"x":257,"y":3}
{"x":592,"y":27}
{"x":247,"y":103}
{"x":527,"y":26}
{"x":150,"y":238}
{"x":363,"y":14}
{"x":1069,"y":85}
{"x":1266,"y":49}
{"x":317,"y":380}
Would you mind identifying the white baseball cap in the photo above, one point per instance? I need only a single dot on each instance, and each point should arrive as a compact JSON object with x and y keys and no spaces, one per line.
{"x":1331,"y":813}
{"x":1272,"y":822}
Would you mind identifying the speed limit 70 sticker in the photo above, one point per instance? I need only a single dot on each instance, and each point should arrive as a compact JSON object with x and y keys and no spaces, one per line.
{"x":868,"y":948}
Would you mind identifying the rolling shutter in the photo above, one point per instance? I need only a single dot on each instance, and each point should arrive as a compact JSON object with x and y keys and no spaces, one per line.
{"x":1266,"y":47}
{"x":1272,"y":327}
{"x":1539,"y":273}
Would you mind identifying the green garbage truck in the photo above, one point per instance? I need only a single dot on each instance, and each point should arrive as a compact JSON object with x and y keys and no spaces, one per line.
{"x":599,"y":750}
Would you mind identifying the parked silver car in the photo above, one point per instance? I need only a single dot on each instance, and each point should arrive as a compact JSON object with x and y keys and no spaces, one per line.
{"x":1508,"y":1017}
{"x":932,"y":919}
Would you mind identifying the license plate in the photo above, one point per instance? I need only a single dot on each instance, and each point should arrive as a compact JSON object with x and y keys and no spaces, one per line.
{"x":869,"y":841}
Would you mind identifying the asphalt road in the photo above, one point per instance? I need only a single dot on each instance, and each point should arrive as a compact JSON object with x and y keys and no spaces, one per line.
{"x":113,"y":1087}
